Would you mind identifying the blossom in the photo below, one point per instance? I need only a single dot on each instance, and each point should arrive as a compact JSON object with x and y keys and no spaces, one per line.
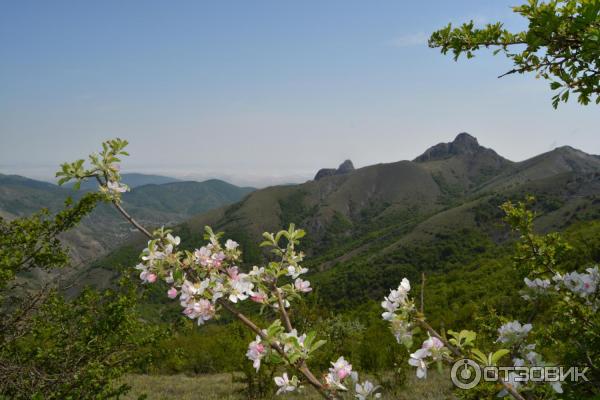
{"x":203,"y":310}
{"x":295,"y":272}
{"x":189,"y":291}
{"x":241,"y":287}
{"x":172,"y":293}
{"x":173,"y":240}
{"x":146,"y":275}
{"x":582,"y":284}
{"x":417,"y":359}
{"x":396,"y":298}
{"x":291,"y":345}
{"x":537,"y":283}
{"x":231,"y":245}
{"x":150,"y":254}
{"x":433,"y":343}
{"x":116,"y":187}
{"x":400,"y":295}
{"x":402,"y":332}
{"x":285,"y":384}
{"x":202,"y":256}
{"x":302,"y":286}
{"x":255,"y":353}
{"x":257,"y":271}
{"x":365,"y":390}
{"x":513,"y":332}
{"x":338,"y":372}
{"x":390,"y":308}
{"x":258,"y":297}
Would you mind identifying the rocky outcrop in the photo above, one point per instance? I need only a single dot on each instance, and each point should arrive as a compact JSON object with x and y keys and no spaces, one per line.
{"x":344,"y":168}
{"x":463,"y":144}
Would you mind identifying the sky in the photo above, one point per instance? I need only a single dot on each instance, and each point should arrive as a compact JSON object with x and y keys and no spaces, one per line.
{"x":261,"y":92}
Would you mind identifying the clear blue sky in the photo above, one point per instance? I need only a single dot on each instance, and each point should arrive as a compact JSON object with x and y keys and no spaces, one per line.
{"x":260,"y":91}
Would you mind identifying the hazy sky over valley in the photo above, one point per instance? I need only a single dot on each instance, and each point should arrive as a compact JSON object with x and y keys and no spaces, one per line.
{"x":260,"y":92}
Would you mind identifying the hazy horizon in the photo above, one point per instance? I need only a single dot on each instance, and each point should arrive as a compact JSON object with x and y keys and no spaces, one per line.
{"x":264,"y":92}
{"x":239,"y":177}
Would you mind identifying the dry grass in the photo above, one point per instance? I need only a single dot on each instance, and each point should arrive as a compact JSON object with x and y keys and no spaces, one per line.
{"x":220,"y":386}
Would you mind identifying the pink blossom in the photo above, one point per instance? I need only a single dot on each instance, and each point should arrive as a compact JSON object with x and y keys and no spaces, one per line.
{"x":172,"y":293}
{"x":258,"y":297}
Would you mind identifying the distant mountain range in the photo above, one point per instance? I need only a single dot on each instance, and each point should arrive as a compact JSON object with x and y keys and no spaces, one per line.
{"x":132,"y":180}
{"x":369,"y":226}
{"x":154,"y":200}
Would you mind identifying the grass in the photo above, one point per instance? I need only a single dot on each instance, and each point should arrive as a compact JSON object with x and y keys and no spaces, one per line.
{"x":220,"y":386}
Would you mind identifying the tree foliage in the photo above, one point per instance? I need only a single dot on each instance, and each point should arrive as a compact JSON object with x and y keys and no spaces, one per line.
{"x":52,"y":347}
{"x":561,"y":44}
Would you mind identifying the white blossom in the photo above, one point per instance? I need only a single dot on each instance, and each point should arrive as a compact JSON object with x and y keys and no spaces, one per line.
{"x":417,"y":359}
{"x":365,"y":390}
{"x":285,"y":384}
{"x":231,"y":245}
{"x":513,"y":332}
{"x":116,"y":187}
{"x":255,"y":353}
{"x":295,"y":272}
{"x":302,"y":286}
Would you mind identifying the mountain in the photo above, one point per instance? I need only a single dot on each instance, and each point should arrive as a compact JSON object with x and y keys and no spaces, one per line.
{"x":370,"y":226}
{"x":344,"y":168}
{"x":132,"y":180}
{"x":101,"y":231}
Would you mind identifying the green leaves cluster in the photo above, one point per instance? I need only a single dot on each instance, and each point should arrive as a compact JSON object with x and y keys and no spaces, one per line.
{"x":561,"y":44}
{"x":103,"y":167}
{"x":75,"y":349}
{"x":567,"y":324}
{"x":52,"y":347}
{"x":536,"y":254}
{"x":32,"y":241}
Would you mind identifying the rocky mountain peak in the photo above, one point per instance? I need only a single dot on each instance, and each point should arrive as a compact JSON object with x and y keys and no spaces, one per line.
{"x":463,"y":144}
{"x":344,"y":168}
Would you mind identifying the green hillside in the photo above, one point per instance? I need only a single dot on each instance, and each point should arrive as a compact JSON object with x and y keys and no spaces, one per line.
{"x":437,"y":214}
{"x":104,"y":229}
